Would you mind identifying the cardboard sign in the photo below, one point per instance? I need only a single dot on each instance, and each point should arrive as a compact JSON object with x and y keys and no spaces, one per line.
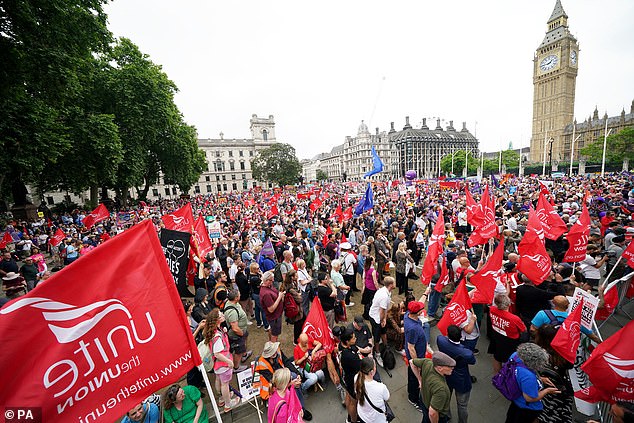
{"x":394,"y":195}
{"x":589,"y":307}
{"x":214,"y":230}
{"x":245,"y":382}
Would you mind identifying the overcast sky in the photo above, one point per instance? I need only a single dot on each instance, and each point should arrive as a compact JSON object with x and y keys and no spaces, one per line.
{"x":322,"y":67}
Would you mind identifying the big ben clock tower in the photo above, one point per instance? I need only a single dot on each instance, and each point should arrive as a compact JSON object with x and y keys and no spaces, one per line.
{"x":554,"y":77}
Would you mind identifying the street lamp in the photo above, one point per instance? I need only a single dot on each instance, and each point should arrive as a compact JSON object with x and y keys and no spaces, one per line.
{"x":544,"y":160}
{"x":605,"y":142}
{"x":550,"y":155}
{"x":572,"y":149}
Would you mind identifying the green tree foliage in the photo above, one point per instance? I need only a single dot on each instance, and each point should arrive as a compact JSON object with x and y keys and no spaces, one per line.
{"x":619,"y":147}
{"x":277,"y":164}
{"x":321,"y":175}
{"x":510,"y":159}
{"x":46,"y":51}
{"x":154,"y":135}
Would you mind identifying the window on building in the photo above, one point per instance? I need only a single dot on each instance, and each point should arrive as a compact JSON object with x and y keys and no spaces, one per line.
{"x":232,"y":166}
{"x":224,"y":187}
{"x":265,"y":135}
{"x":197,"y":189}
{"x":50,"y":201}
{"x":208,"y":188}
{"x":207,"y":178}
{"x":218,"y":187}
{"x":233,"y":177}
{"x":241,"y":153}
{"x":174,"y":191}
{"x":217,"y":153}
{"x":241,"y":165}
{"x":255,"y":184}
{"x":245,"y":185}
{"x":154,"y":192}
{"x":235,"y":187}
{"x":244,"y":176}
{"x":224,"y":177}
{"x":250,"y":153}
{"x":217,"y":177}
{"x":230,"y":153}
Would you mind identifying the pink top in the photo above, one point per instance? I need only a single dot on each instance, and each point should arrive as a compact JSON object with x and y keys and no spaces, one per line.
{"x":292,"y":406}
{"x":369,"y":279}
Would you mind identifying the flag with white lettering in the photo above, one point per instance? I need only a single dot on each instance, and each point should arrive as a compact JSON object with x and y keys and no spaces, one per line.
{"x":578,"y":238}
{"x":99,"y":214}
{"x":180,"y":220}
{"x":93,"y":331}
{"x":176,"y":249}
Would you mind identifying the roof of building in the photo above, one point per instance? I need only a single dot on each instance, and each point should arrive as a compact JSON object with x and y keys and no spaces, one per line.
{"x":558,"y":32}
{"x":595,"y":122}
{"x":558,"y":12}
{"x":426,"y":134}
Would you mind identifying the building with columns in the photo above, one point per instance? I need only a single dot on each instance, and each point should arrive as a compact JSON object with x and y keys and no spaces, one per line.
{"x":421,"y":149}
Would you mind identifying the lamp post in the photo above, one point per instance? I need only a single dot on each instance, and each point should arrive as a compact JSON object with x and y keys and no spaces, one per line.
{"x":605,"y":142}
{"x":544,"y":160}
{"x":466,"y":162}
{"x":500,"y":163}
{"x":550,"y":155}
{"x":481,"y":164}
{"x":452,"y":154}
{"x":572,"y":149}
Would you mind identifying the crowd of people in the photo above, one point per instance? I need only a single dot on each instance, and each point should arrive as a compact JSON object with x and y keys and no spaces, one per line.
{"x":266,"y":269}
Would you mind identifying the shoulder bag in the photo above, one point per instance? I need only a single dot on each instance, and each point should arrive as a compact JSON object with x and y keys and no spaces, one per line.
{"x":389,"y":414}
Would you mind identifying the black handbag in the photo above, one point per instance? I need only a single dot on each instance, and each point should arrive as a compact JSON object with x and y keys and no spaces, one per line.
{"x":389,"y":414}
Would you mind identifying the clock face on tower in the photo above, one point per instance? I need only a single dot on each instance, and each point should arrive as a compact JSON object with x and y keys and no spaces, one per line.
{"x":573,"y":57}
{"x":548,"y":62}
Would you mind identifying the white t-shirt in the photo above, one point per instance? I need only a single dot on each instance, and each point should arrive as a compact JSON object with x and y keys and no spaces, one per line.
{"x":381,"y":300}
{"x":302,"y":275}
{"x":476,"y":330}
{"x":462,"y":218}
{"x":378,"y":394}
{"x":588,"y":269}
{"x":347,"y":267}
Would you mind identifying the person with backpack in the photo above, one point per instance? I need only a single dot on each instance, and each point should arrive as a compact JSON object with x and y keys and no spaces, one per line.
{"x":506,"y":332}
{"x":293,"y":303}
{"x":284,"y":405}
{"x":219,"y":294}
{"x":216,"y":338}
{"x":237,"y":322}
{"x":526,"y":407}
{"x":556,"y":317}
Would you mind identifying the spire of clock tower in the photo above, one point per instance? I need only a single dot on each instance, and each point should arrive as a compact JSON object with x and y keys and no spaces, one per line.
{"x":558,"y":12}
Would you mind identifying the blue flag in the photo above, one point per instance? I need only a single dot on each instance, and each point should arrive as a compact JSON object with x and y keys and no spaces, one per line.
{"x":376,"y":163}
{"x":366,"y":203}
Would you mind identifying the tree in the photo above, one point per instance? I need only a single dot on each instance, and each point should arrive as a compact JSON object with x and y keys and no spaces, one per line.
{"x":321,"y":175}
{"x":619,"y":147}
{"x":154,"y":135}
{"x":459,"y":163}
{"x":46,"y":51}
{"x":277,"y":164}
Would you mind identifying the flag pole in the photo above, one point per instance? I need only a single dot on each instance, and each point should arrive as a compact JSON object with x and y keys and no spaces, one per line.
{"x":607,"y":278}
{"x":211,"y":393}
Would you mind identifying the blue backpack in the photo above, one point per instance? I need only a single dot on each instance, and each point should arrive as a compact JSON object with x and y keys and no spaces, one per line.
{"x":505,"y":380}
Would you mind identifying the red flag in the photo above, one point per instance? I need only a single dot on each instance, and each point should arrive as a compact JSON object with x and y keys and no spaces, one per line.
{"x":449,"y":184}
{"x":628,"y":254}
{"x":316,"y":326}
{"x":611,"y":365}
{"x":456,"y":311}
{"x":578,"y":237}
{"x":200,"y":242}
{"x":97,"y":215}
{"x":273,"y":212}
{"x":315,"y":204}
{"x":324,"y":241}
{"x":435,"y":249}
{"x":180,"y":220}
{"x":543,"y":189}
{"x":192,"y":270}
{"x":488,"y":228}
{"x":96,"y":353}
{"x":443,"y":281}
{"x":475,"y":212}
{"x":534,"y":261}
{"x":338,"y":214}
{"x":249,"y":202}
{"x":347,"y":213}
{"x":487,"y":278}
{"x":58,"y":237}
{"x":7,"y":238}
{"x":552,"y":223}
{"x":567,"y":339}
